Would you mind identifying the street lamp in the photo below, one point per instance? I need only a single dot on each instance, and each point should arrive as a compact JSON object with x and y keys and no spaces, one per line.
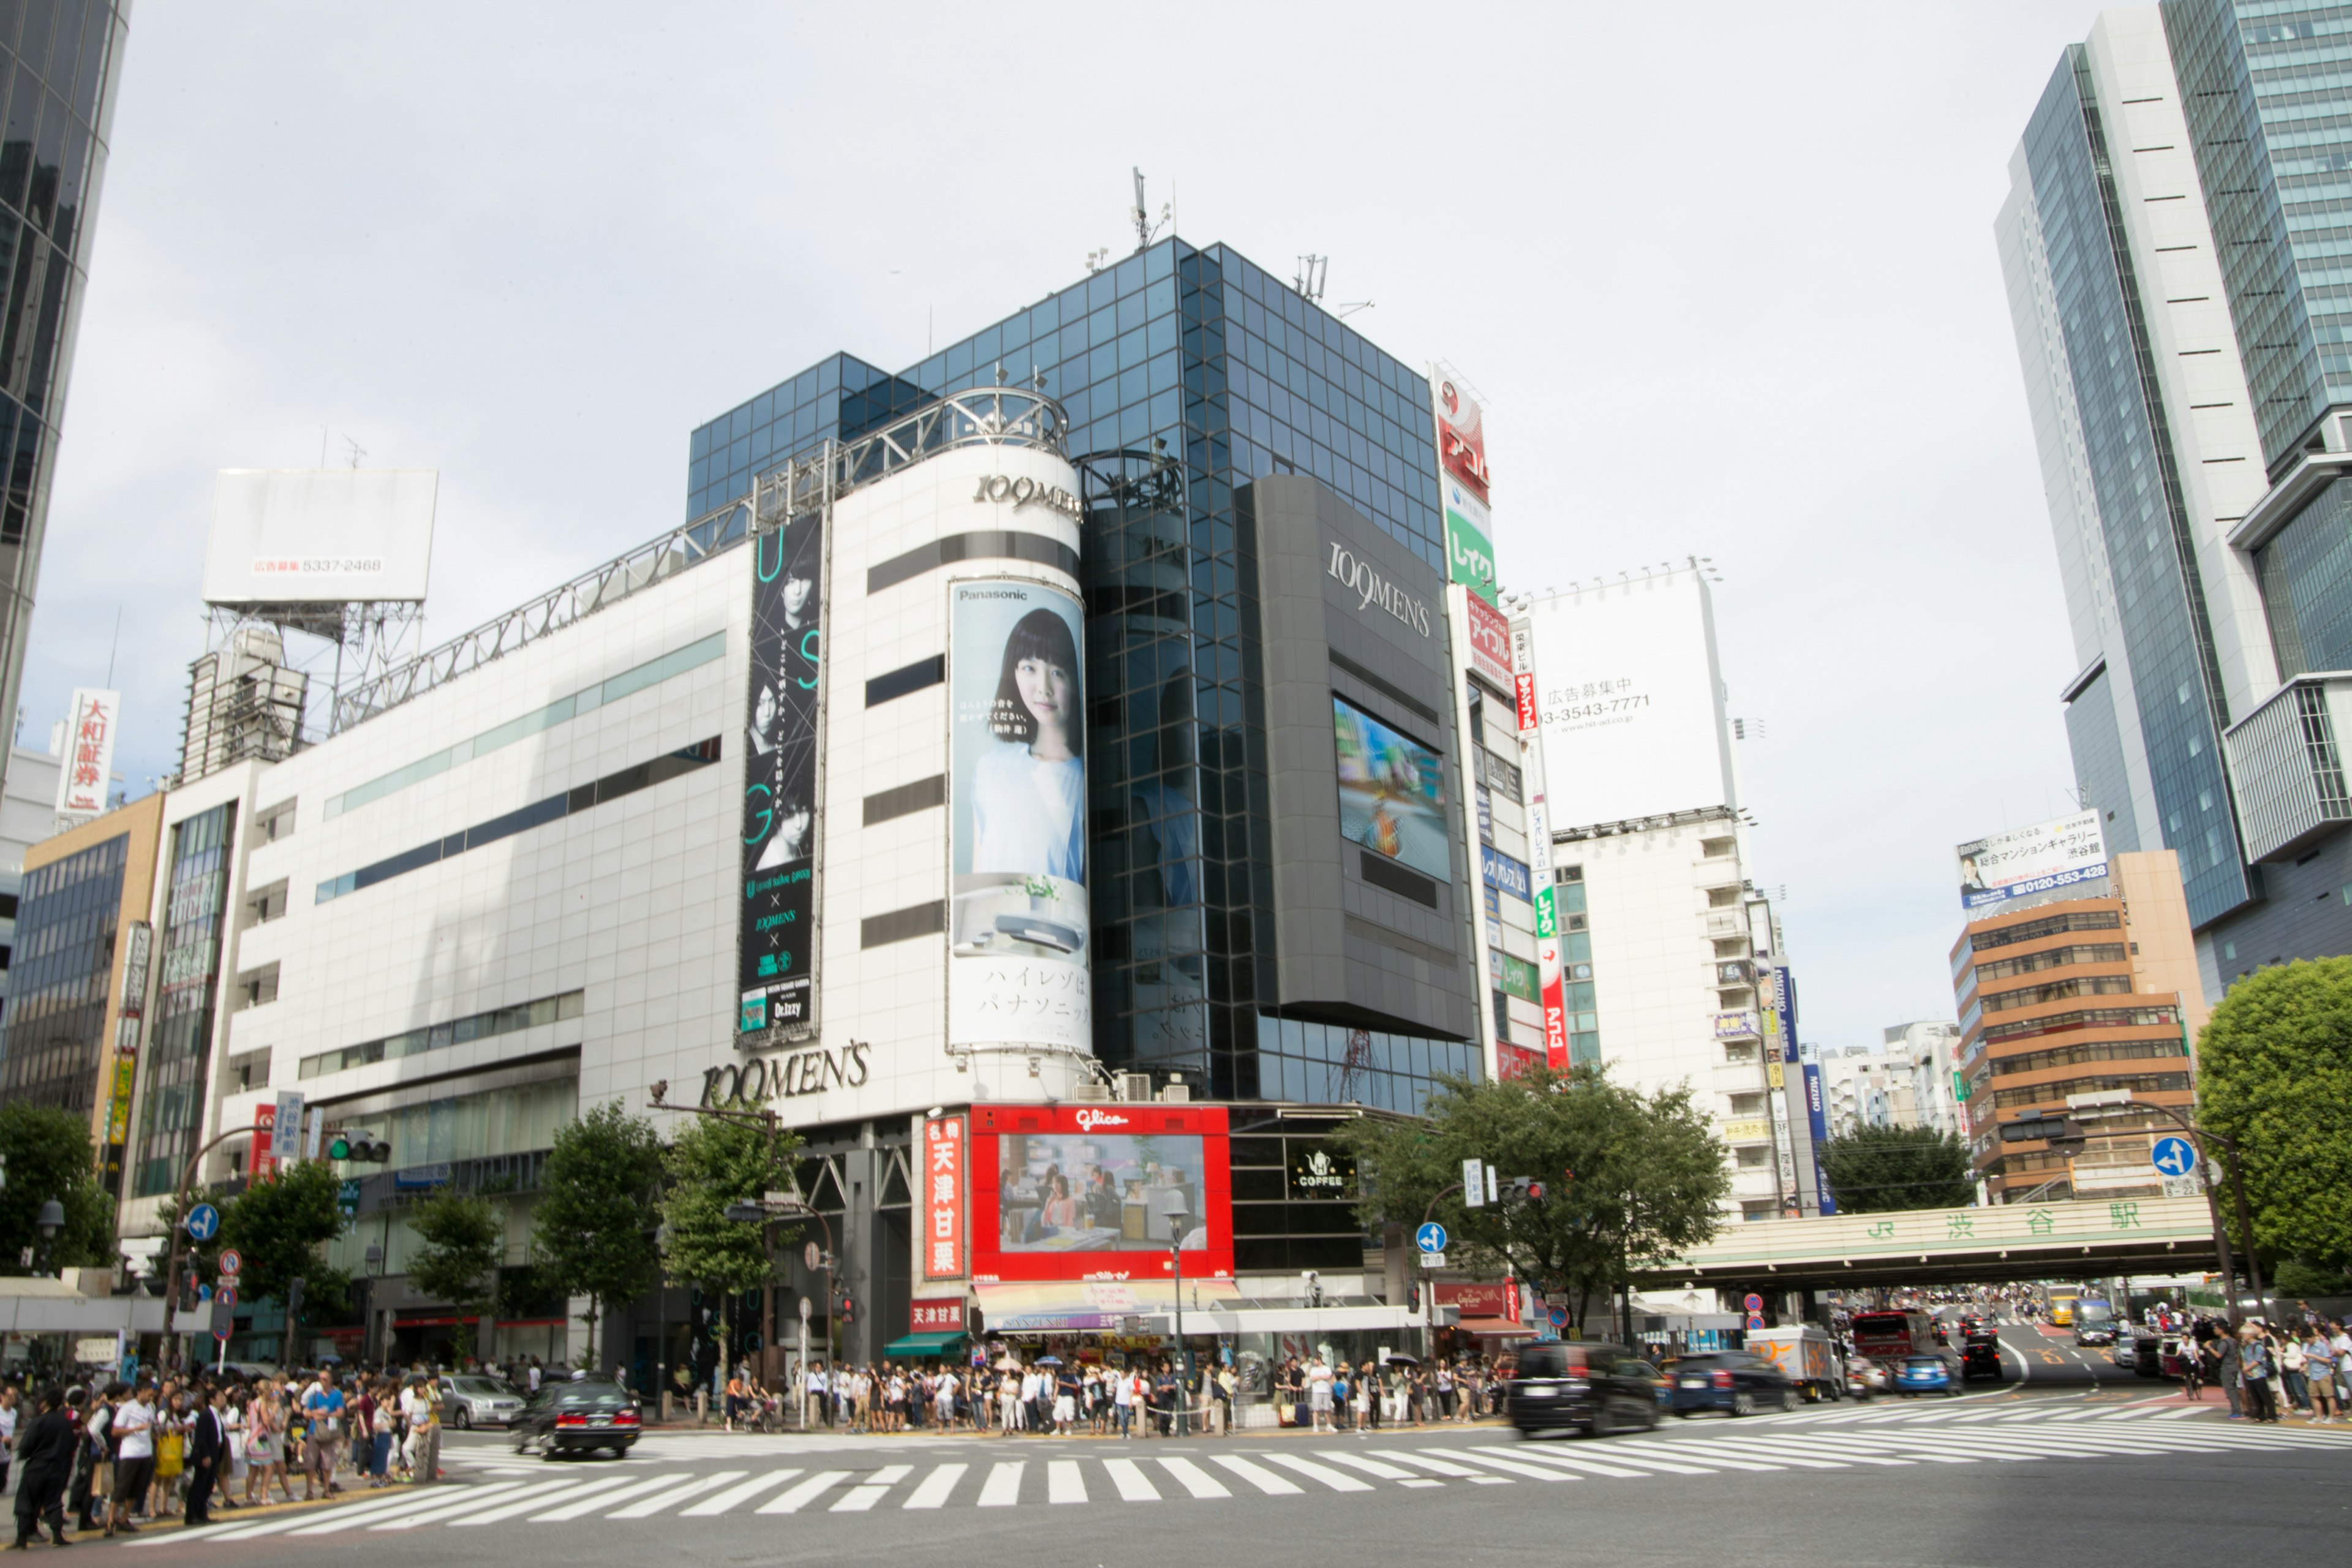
{"x":2120,"y":1099}
{"x":375,"y":1260}
{"x":51,"y":1220}
{"x":1178,"y":1211}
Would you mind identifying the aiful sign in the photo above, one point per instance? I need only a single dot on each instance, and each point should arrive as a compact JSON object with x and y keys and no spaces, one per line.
{"x":1371,"y":588}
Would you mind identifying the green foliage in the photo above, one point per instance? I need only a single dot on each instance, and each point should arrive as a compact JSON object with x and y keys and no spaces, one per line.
{"x":2294,"y":1278}
{"x":49,"y":1156}
{"x":1872,"y":1170}
{"x":462,"y":1240}
{"x":2274,"y":1074}
{"x":1632,"y":1180}
{"x":715,"y":1162}
{"x":281,"y":1228}
{"x":592,"y":1230}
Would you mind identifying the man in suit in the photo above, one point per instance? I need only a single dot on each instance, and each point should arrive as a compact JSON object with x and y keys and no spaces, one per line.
{"x":46,"y":1451}
{"x":207,"y":1453}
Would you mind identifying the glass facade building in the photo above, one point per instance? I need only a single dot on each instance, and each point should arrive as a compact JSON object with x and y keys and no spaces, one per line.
{"x":1188,"y":375}
{"x":173,"y":1096}
{"x":59,"y":62}
{"x":53,"y":1040}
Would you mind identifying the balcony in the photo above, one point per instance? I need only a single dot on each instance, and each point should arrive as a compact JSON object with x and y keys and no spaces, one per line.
{"x":2286,"y":768}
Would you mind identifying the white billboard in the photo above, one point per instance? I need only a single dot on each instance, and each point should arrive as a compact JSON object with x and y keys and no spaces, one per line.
{"x":2036,"y":859}
{"x":321,"y":536}
{"x":89,"y":769}
{"x":1631,"y":702}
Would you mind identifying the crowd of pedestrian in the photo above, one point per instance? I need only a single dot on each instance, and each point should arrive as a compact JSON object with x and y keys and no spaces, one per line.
{"x":115,"y":1455}
{"x":2300,"y":1367}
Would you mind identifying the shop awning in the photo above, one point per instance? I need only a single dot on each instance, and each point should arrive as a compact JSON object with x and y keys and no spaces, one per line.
{"x":1496,"y":1329}
{"x":1092,"y":1305}
{"x":907,"y":1346}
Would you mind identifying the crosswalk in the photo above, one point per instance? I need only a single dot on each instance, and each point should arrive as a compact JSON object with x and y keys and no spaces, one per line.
{"x":1279,"y":1469}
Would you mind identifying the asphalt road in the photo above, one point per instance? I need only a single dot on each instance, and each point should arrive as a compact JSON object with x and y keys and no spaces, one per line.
{"x":2023,"y":1474}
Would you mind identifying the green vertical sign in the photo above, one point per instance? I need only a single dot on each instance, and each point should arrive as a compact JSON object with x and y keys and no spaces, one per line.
{"x":1469,"y":553}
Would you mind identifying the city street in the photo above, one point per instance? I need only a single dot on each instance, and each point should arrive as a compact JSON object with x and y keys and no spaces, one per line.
{"x":2125,"y":1473}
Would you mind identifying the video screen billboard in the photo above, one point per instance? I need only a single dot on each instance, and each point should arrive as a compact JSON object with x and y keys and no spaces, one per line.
{"x":1017,"y":930}
{"x":776,"y":930}
{"x":319,"y":536}
{"x":1101,"y":1192}
{"x":2036,"y":859}
{"x":1391,"y":793}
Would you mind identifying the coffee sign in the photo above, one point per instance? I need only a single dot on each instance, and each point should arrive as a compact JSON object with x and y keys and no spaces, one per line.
{"x":1320,"y":1173}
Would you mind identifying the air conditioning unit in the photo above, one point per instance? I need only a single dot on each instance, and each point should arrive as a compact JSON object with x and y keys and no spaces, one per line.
{"x":1087,"y":1091}
{"x":1176,"y":1093}
{"x":1134,"y":1087}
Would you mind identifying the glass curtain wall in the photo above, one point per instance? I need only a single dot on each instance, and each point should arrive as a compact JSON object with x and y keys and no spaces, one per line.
{"x":54,"y":1042}
{"x":180,"y":1052}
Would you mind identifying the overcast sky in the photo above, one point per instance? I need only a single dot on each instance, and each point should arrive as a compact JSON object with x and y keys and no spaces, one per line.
{"x":1725,"y":274}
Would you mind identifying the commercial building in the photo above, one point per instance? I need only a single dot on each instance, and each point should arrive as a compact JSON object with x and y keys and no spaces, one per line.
{"x":2078,"y":983}
{"x":2169,"y":242}
{"x":1675,"y":970}
{"x":1051,"y":773}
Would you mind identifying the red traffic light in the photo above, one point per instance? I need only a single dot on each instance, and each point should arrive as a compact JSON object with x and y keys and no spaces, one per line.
{"x":1535,"y":1191}
{"x":848,"y":1310}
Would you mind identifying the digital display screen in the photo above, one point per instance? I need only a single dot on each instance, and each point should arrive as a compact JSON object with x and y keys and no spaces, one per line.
{"x":1113,"y":1192}
{"x":1391,"y":793}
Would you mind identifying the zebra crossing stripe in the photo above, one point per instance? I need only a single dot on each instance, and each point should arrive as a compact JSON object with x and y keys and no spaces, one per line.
{"x":445,"y":1509}
{"x":1649,"y":1456}
{"x":1004,"y":1488}
{"x":350,"y":1513}
{"x":1324,"y":1473}
{"x":1382,"y":1469}
{"x":712,"y":1507}
{"x":1448,"y":1468}
{"x":1195,"y":1479}
{"x":1064,"y":1481}
{"x":1713,"y":1453}
{"x":861,"y":1498}
{"x":509,"y":1509}
{"x":798,"y":1498}
{"x":2198,"y":1409}
{"x":1132,"y":1483}
{"x":1263,"y":1480}
{"x":1807,"y":1451}
{"x":935,"y":1488}
{"x":1565,"y":1462}
{"x":600,"y":1497}
{"x":646,"y":1508}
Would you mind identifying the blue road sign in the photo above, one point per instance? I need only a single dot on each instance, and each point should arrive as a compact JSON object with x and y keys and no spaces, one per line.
{"x":2174,"y":1156}
{"x":204,"y":1222}
{"x":1431,"y":1236}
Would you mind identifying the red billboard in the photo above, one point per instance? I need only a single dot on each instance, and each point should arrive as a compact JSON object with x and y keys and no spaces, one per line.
{"x":1461,"y":436}
{"x":1101,"y":1192}
{"x":945,"y":1162}
{"x":1490,"y":642}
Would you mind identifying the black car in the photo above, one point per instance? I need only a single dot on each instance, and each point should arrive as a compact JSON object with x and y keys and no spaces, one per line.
{"x":1981,"y":1357}
{"x":1595,"y":1389}
{"x":1734,"y":1382}
{"x":579,"y":1417}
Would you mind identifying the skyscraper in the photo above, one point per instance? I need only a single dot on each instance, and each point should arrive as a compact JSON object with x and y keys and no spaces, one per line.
{"x":59,"y":62}
{"x":2173,"y":206}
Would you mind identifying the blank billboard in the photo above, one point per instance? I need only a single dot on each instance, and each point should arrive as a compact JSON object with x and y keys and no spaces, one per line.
{"x":1627,"y":682}
{"x":319,"y":536}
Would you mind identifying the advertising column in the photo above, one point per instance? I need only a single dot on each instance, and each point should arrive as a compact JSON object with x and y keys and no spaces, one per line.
{"x":1531,"y":765}
{"x":1017,"y":927}
{"x":138,"y":945}
{"x":776,"y":934}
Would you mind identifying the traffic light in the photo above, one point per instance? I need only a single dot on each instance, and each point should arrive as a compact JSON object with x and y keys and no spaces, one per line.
{"x":1523,"y":1190}
{"x":1413,"y":1297}
{"x":2055,"y":1130}
{"x":358,"y":1148}
{"x":848,"y":1310}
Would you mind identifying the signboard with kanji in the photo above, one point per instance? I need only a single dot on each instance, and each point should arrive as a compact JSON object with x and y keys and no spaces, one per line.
{"x":85,"y":779}
{"x":945,"y":1167}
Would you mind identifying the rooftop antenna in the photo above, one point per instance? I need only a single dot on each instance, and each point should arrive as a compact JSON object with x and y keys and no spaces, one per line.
{"x":356,"y":450}
{"x":1144,"y":226}
{"x":1313,"y":272}
{"x":1095,"y":259}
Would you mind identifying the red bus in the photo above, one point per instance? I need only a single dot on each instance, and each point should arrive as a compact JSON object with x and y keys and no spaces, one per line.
{"x":1889,"y":1337}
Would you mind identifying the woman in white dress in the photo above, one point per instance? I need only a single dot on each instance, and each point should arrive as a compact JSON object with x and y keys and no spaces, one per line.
{"x":1028,"y":810}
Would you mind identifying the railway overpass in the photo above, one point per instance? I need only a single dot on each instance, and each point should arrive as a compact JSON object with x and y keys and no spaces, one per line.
{"x":2074,"y":1239}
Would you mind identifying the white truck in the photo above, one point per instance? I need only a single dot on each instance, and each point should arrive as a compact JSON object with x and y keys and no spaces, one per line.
{"x":1806,"y":1357}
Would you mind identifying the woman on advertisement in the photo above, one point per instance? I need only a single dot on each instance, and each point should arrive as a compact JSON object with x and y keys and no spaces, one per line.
{"x":1028,"y":808}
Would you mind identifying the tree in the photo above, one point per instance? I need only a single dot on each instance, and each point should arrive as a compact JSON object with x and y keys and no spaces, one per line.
{"x":1873,"y":1169}
{"x":49,"y":1155}
{"x":280,"y":1227}
{"x":592,"y":1231}
{"x":2274,"y":1076}
{"x":1631,"y":1181}
{"x":713,"y":1163}
{"x":462,"y":1240}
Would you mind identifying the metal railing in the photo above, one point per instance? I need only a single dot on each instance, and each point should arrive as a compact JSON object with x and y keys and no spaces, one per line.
{"x":991,"y":416}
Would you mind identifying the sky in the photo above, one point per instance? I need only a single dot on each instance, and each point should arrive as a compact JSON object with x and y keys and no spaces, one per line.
{"x":1726,"y":275}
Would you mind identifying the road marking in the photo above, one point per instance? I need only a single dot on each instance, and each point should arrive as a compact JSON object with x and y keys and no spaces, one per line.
{"x":1194,"y":1479}
{"x":1064,"y":1481}
{"x":805,"y":1493}
{"x":712,"y":1507}
{"x":1263,"y":1480}
{"x":933,"y":1492}
{"x":646,"y":1508}
{"x":1565,"y":1461}
{"x":861,"y":1498}
{"x":1324,"y":1473}
{"x":1132,"y":1483}
{"x":509,"y":1509}
{"x":600,"y":1497}
{"x":1714,"y":1450}
{"x":1382,"y":1469}
{"x":2176,"y":1414}
{"x":1634,"y":1454}
{"x":441,"y":1511}
{"x":1447,"y":1467}
{"x":1004,"y":1488}
{"x":350,"y":1513}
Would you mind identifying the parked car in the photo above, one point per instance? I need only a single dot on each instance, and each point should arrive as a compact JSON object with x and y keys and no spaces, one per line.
{"x":1863,"y":1377}
{"x":579,"y":1417}
{"x":1596,"y":1389}
{"x":1926,"y":1375}
{"x":1736,"y":1383}
{"x":469,"y":1401}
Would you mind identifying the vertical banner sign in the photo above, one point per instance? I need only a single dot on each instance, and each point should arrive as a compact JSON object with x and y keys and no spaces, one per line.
{"x":264,"y":1124}
{"x":1780,"y":1047}
{"x":1817,"y":1119}
{"x":1017,"y":926}
{"x":775,"y":940}
{"x":138,"y":938}
{"x":1462,"y":481}
{"x":1490,"y":642}
{"x":285,"y":1130}
{"x":944,"y":1198}
{"x":90,"y":752}
{"x":1531,"y":764}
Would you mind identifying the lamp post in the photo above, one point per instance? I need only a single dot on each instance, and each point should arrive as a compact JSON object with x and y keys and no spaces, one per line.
{"x":1173,"y":1204}
{"x":368,"y":1342}
{"x":2117,"y":1098}
{"x":51,"y":1220}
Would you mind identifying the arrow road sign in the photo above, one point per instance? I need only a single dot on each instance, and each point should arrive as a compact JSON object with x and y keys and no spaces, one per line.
{"x":204,"y":1222}
{"x":1430,"y":1238}
{"x":229,"y":1262}
{"x":2174,"y":1156}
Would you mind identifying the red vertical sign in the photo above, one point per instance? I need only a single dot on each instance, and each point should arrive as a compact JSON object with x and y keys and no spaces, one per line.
{"x":265,"y":1122}
{"x":944,"y":1167}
